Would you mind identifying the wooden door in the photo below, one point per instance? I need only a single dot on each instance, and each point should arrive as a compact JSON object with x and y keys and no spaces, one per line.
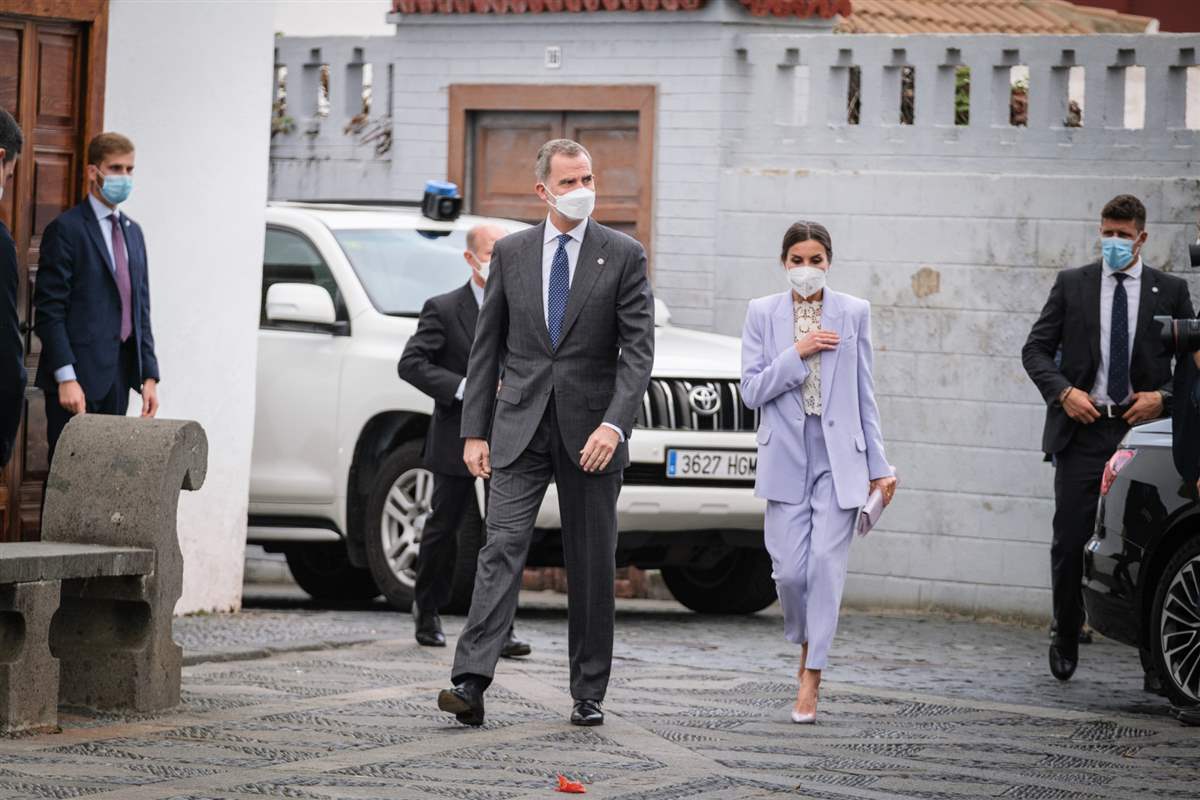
{"x":500,"y":172}
{"x":51,"y":81}
{"x":496,"y":130}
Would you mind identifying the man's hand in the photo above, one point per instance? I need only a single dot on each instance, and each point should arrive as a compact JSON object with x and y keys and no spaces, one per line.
{"x":887,"y":486}
{"x":1079,"y":406}
{"x":70,"y":397}
{"x":150,"y":398}
{"x":1146,"y":406}
{"x":599,"y":449}
{"x":478,"y":458}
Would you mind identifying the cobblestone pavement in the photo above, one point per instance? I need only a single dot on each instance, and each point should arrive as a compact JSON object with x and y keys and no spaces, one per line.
{"x":697,"y":709}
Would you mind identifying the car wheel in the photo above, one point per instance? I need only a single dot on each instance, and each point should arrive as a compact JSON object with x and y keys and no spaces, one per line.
{"x":1175,"y":625}
{"x":739,"y":583}
{"x":399,"y":503}
{"x":398,"y":507}
{"x":324,"y":571}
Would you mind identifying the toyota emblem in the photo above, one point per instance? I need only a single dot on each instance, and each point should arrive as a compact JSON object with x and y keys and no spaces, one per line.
{"x":704,"y":400}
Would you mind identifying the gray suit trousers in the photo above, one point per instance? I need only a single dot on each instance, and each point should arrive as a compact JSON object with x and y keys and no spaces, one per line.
{"x":588,"y":507}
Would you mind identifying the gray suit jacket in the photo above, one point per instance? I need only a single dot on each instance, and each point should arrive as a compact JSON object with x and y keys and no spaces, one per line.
{"x":601,"y":368}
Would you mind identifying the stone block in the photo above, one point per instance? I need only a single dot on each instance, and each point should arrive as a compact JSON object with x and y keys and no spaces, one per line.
{"x":21,"y":562}
{"x":116,"y":481}
{"x":28,"y":670}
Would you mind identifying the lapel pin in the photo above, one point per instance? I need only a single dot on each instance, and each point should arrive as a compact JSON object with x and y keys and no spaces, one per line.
{"x":601,"y":261}
{"x":1154,"y":289}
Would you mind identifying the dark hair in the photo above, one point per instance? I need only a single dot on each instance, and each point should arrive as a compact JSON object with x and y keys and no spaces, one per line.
{"x":10,"y":136}
{"x":804,"y":231}
{"x":104,"y":145}
{"x":1125,"y":207}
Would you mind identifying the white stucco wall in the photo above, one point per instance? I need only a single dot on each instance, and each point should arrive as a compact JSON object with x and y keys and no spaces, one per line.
{"x":188,"y":81}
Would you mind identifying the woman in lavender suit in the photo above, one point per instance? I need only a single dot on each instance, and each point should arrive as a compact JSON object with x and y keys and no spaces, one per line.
{"x":806,"y":363}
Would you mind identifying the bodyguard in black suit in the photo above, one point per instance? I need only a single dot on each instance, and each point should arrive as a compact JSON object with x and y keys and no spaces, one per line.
{"x":435,"y":361}
{"x":12,"y":347}
{"x":93,"y":299}
{"x":1113,"y":372}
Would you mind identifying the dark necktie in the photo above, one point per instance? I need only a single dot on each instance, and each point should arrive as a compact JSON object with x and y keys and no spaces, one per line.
{"x":121,"y":265}
{"x":1118,"y":343}
{"x":560,"y":287}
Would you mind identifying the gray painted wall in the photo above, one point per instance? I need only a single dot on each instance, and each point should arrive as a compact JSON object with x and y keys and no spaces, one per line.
{"x":952,"y":232}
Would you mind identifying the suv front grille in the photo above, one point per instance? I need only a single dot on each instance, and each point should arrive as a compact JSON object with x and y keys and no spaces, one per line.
{"x":666,"y":406}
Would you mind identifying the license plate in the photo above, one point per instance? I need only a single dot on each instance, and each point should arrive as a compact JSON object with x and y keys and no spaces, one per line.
{"x":716,"y":465}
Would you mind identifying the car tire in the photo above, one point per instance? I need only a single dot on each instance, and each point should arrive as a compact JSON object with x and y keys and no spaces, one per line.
{"x":324,"y":571}
{"x":398,"y":506}
{"x":739,"y":583}
{"x":1174,"y":626}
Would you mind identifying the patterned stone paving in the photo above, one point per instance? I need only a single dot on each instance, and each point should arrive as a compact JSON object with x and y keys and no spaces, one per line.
{"x":359,"y":723}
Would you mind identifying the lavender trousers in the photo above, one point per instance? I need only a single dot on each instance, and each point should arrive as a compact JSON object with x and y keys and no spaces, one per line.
{"x":809,"y":544}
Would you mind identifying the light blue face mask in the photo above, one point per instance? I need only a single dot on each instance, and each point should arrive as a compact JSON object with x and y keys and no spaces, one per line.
{"x":1118,"y":252}
{"x":116,"y":188}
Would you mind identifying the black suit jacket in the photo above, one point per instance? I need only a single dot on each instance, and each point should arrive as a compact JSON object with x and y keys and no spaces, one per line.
{"x":435,"y":361}
{"x":1070,"y":322}
{"x":78,"y":314}
{"x":12,"y":348}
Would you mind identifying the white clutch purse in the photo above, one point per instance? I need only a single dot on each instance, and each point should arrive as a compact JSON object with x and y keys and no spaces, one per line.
{"x":870,"y":513}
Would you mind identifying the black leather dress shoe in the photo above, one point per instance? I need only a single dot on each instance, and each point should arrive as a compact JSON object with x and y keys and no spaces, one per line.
{"x":514,"y":647}
{"x":587,"y":712}
{"x":429,"y":630}
{"x":1064,"y":657}
{"x":464,"y":701}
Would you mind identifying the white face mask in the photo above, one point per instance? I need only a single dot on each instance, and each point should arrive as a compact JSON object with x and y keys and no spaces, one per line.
{"x":484,"y":267}
{"x":807,"y":281}
{"x":576,"y":205}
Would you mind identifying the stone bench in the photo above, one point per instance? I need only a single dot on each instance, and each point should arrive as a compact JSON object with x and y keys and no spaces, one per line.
{"x":85,"y":614}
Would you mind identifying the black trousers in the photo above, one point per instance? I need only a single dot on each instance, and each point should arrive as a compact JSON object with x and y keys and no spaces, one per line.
{"x":452,"y":495}
{"x":116,"y":402}
{"x":1078,"y":470}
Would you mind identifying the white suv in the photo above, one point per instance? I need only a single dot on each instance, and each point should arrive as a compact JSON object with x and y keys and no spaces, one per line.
{"x":336,"y":479}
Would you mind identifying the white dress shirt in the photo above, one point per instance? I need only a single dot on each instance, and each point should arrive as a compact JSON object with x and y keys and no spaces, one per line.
{"x":103,"y":212}
{"x":1133,"y":293}
{"x":477,"y":292}
{"x":549,"y":248}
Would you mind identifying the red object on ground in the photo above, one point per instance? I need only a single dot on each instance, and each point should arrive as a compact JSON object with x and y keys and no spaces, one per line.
{"x":569,"y":786}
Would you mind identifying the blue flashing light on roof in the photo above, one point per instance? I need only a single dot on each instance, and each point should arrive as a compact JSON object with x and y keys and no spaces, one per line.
{"x":441,"y":201}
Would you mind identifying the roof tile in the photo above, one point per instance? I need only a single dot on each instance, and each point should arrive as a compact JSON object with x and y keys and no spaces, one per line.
{"x":778,"y":8}
{"x":986,"y":16}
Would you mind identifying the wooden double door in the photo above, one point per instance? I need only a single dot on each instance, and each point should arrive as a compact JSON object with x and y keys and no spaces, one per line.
{"x":495,"y":132}
{"x":51,"y":81}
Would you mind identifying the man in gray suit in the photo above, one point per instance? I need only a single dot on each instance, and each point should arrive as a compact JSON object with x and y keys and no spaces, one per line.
{"x":569,"y":309}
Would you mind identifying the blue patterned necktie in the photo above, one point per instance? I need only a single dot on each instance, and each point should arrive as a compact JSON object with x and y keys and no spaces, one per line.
{"x":1118,"y":343}
{"x":560,"y":287}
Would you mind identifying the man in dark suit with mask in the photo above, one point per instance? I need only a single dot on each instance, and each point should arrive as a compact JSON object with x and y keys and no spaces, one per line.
{"x":12,"y":346}
{"x":93,"y":299}
{"x":435,"y":361}
{"x":1114,"y":372}
{"x":569,"y":318}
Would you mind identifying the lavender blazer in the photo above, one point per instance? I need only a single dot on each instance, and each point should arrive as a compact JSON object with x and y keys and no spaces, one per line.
{"x":772,"y":373}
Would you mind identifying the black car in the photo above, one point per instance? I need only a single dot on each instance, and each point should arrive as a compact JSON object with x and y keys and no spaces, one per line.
{"x":1142,"y":565}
